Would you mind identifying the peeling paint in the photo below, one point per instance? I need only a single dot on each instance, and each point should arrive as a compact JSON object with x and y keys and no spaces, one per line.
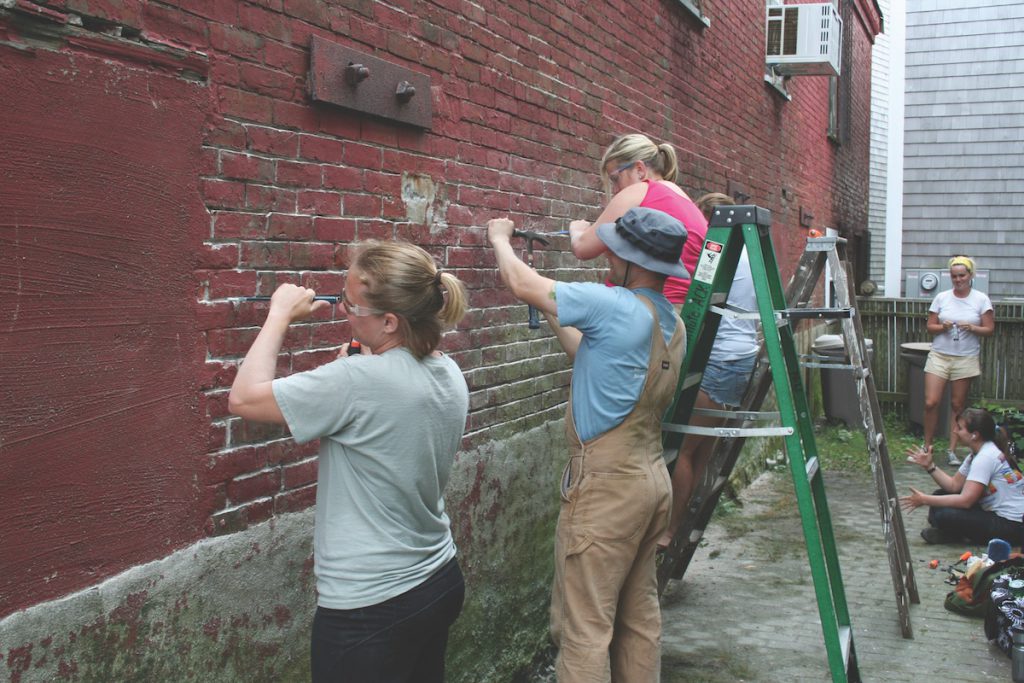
{"x":425,"y":202}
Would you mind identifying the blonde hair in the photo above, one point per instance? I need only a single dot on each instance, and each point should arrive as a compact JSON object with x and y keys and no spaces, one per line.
{"x":707,"y":202}
{"x":403,"y":279}
{"x":964,"y":261}
{"x":636,"y":147}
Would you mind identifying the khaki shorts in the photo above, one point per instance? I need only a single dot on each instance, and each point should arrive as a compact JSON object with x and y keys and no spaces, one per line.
{"x":952,"y":367}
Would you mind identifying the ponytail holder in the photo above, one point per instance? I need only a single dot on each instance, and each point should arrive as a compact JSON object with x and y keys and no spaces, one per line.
{"x":437,"y":278}
{"x":962,"y":261}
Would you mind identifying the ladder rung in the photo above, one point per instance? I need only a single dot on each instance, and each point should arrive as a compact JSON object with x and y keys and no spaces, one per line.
{"x":830,"y":366}
{"x":719,"y":298}
{"x":735,"y":313}
{"x":812,"y":468}
{"x":826,"y":243}
{"x":737,"y":414}
{"x":817,"y":313}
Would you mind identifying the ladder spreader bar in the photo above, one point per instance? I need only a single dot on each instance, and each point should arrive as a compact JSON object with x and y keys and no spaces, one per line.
{"x":816,"y":313}
{"x":727,"y":432}
{"x":737,"y":414}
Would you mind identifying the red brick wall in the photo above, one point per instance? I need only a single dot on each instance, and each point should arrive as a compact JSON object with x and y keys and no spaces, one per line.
{"x":526,"y":95}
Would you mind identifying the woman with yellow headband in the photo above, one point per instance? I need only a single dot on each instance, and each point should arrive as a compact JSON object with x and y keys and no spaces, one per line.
{"x":958,"y":317}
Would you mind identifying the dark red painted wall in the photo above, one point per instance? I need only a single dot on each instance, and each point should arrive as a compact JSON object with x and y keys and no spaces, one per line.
{"x":152,"y":199}
{"x":101,"y":430}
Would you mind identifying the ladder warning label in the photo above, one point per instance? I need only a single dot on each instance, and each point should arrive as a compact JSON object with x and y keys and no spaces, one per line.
{"x":707,"y":266}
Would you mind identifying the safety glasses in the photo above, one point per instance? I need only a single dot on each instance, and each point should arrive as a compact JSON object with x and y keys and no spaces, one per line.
{"x":356,"y":309}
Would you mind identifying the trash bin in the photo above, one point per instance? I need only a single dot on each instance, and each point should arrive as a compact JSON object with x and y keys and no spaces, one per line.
{"x":916,"y":353}
{"x":838,"y":386}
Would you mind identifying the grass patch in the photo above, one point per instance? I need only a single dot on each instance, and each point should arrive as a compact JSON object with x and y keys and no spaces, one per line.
{"x":710,"y":666}
{"x":845,"y":450}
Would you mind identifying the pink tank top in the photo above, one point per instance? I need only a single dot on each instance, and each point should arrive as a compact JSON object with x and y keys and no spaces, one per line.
{"x":685,"y":211}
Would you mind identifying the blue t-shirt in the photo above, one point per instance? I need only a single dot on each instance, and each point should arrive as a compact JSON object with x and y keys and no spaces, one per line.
{"x":611,"y":364}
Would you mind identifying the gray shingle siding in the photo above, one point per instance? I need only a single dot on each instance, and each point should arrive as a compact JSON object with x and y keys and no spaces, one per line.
{"x":964,"y":140}
{"x":879,"y":163}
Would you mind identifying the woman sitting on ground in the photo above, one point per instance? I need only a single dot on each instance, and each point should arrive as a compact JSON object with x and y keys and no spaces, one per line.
{"x":984,"y":499}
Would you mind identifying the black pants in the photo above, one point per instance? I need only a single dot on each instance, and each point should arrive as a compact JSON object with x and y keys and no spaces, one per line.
{"x":975,"y":524}
{"x":401,"y":640}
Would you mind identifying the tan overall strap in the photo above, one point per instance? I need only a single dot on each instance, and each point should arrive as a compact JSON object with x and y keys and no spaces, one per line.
{"x":663,"y":366}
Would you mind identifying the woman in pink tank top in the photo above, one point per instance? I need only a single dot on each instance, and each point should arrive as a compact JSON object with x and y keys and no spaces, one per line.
{"x":641,"y":173}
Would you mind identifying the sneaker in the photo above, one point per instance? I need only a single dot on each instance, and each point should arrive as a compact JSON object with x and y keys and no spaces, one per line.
{"x":952,"y":460}
{"x":933,"y":536}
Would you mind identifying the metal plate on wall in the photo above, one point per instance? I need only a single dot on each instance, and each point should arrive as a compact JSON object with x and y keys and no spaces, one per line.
{"x":354,"y":80}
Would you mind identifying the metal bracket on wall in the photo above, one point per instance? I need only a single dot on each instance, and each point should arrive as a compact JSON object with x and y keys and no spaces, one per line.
{"x":806,"y":217}
{"x":354,"y":80}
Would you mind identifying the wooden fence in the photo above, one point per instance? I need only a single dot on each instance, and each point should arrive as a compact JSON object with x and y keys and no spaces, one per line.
{"x":892,"y":322}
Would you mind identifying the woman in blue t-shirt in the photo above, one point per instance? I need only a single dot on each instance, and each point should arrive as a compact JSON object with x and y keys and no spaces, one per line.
{"x":957,"y":318}
{"x":984,"y":499}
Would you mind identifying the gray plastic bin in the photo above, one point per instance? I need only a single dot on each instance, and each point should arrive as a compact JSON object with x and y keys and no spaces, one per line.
{"x":838,"y":387}
{"x":916,"y":353}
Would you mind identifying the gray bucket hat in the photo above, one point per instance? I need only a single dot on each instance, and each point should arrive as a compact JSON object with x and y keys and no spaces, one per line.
{"x":649,"y":238}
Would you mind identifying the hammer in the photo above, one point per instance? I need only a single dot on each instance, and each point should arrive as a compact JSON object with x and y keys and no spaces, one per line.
{"x":530,"y":238}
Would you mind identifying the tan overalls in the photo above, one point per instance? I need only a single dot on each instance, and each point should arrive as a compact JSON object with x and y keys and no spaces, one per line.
{"x":616,"y":502}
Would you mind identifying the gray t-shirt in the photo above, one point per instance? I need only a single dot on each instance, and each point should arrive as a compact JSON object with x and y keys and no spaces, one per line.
{"x":737,"y":337}
{"x":389,"y":427}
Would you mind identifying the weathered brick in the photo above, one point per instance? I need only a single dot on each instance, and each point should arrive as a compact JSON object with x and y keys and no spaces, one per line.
{"x":361,"y":205}
{"x":289,"y":227}
{"x":247,"y":488}
{"x":296,"y":500}
{"x":273,"y":141}
{"x":246,"y":167}
{"x":223,"y":194}
{"x":334,"y":229}
{"x":342,"y":177}
{"x":319,"y":203}
{"x":164,"y":24}
{"x":226,"y":38}
{"x":227,"y":283}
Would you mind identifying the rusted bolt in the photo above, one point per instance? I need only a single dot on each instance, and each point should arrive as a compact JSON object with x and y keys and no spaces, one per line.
{"x":405,"y":91}
{"x":356,"y":73}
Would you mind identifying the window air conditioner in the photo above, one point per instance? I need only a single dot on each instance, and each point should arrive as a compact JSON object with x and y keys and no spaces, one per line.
{"x":804,"y":39}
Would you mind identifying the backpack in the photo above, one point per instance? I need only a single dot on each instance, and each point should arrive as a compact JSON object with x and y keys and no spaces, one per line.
{"x":971,"y":596}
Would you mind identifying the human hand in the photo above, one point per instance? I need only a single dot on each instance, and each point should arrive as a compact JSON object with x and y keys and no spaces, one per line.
{"x":360,"y":349}
{"x":947,"y":325}
{"x":913,"y":501}
{"x":500,"y":230}
{"x":966,"y":327}
{"x":292,"y":303}
{"x":920,"y":455}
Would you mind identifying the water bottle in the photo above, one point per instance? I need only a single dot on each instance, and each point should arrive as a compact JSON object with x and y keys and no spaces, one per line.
{"x":956,"y":332}
{"x":1017,"y":657}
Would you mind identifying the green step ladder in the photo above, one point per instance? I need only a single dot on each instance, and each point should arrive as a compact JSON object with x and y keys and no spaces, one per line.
{"x":730,"y":229}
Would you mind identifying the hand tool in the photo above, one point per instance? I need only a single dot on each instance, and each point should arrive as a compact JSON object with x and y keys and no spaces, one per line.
{"x":325,"y":297}
{"x":531,"y":237}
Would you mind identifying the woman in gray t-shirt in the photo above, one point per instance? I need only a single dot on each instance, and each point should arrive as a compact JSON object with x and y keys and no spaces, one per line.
{"x":390,"y":421}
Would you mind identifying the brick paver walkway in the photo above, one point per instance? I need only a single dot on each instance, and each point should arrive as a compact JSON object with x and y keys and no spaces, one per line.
{"x":746,"y":609}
